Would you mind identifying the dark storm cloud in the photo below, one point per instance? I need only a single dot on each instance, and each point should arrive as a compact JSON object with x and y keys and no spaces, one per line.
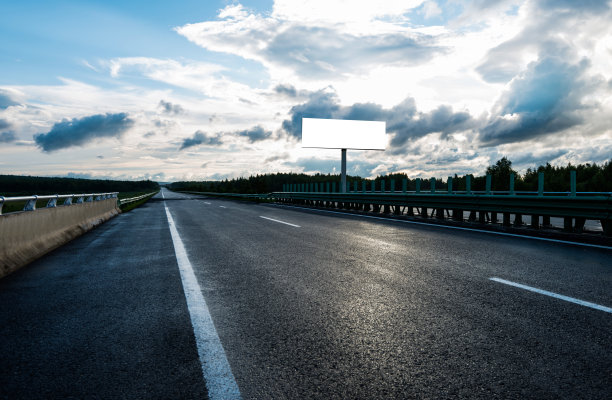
{"x":255,"y":134}
{"x":546,"y":99}
{"x":170,"y":108}
{"x":80,"y":131}
{"x":403,"y":121}
{"x":199,"y":138}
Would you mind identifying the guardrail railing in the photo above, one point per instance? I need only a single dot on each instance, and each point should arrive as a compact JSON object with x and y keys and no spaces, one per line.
{"x":52,"y":200}
{"x":122,"y":202}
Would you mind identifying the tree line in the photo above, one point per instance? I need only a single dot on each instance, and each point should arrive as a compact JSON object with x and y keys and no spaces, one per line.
{"x":589,"y":178}
{"x":16,"y":185}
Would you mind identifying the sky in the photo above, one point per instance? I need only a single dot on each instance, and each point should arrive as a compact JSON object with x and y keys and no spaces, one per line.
{"x":208,"y":90}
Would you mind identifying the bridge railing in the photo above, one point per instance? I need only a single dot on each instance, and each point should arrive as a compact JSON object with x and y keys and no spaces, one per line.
{"x":52,"y":200}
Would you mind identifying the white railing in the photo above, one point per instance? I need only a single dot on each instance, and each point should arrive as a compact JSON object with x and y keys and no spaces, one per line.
{"x":52,"y":200}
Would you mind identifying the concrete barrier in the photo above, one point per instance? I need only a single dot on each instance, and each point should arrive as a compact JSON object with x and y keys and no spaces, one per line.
{"x":27,"y":235}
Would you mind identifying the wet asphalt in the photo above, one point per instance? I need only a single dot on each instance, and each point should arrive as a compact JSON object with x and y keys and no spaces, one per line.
{"x":337,"y":307}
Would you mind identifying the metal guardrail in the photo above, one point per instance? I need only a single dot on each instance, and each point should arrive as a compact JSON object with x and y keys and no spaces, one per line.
{"x":575,"y":209}
{"x":262,"y":196}
{"x":52,"y":200}
{"x":122,"y":202}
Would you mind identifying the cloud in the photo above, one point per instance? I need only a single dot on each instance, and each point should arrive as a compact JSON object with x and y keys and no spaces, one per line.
{"x":80,"y":131}
{"x":403,"y":121}
{"x":199,"y":138}
{"x":312,"y":46}
{"x":255,"y":134}
{"x":6,"y":101}
{"x":547,"y":98}
{"x":7,"y":137}
{"x":4,"y":124}
{"x":277,"y":157}
{"x":287,"y":90}
{"x":545,"y":32}
{"x":170,"y":108}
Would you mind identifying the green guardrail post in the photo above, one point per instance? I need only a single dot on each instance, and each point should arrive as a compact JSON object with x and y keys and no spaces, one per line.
{"x":404,"y":185}
{"x":373,"y":186}
{"x":327,"y":187}
{"x":382,"y":186}
{"x":392,"y":185}
{"x":573,"y":183}
{"x":541,"y":184}
{"x":511,"y":184}
{"x":363,"y":186}
{"x":356,"y":186}
{"x":432,"y":185}
{"x":488,"y":184}
{"x":468,"y":184}
{"x":333,"y":187}
{"x":449,"y":185}
{"x":417,"y":184}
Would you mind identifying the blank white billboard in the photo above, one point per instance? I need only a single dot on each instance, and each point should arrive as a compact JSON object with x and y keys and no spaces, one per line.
{"x":343,"y":134}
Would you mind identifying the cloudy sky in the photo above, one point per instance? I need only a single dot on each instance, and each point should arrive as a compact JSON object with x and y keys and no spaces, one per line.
{"x":216,"y":89}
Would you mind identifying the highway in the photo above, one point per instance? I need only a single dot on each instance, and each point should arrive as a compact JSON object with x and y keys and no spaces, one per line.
{"x":295,"y":303}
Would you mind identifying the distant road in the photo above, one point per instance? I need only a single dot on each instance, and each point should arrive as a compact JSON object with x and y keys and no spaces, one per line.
{"x":304,"y":304}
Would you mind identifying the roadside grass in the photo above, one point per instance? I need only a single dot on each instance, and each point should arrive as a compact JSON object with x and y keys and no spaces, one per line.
{"x":130,"y":206}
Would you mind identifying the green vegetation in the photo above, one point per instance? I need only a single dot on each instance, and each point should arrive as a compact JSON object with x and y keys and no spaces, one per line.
{"x":130,"y":206}
{"x":589,"y":177}
{"x":16,"y":185}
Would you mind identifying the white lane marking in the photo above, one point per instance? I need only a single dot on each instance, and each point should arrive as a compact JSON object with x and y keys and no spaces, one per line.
{"x":597,"y":246}
{"x":217,"y":373}
{"x":282,"y":222}
{"x":222,"y":206}
{"x":163,"y":197}
{"x":206,"y":203}
{"x":555,"y":295}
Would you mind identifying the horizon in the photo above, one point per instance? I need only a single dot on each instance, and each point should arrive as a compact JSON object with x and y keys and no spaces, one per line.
{"x":216,"y":90}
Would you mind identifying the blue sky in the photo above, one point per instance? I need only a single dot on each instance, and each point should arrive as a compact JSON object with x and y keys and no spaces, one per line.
{"x":206,"y":89}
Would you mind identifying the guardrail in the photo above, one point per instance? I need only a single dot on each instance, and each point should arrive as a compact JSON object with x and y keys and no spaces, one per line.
{"x":52,"y":200}
{"x":122,"y":202}
{"x":482,"y":208}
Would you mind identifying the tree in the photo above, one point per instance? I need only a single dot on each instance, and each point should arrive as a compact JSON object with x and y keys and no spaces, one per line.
{"x":500,"y":174}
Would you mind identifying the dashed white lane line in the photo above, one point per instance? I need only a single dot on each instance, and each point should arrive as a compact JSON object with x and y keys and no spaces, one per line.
{"x":220,"y":381}
{"x":206,"y":203}
{"x":555,"y":295}
{"x":281,"y":222}
{"x":460,"y":228}
{"x":222,"y":207}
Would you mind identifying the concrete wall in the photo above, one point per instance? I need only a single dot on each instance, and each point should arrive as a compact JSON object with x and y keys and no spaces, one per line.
{"x":25,"y":236}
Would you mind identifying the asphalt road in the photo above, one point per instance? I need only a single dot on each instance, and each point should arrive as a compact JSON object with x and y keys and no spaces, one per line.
{"x":306,"y":304}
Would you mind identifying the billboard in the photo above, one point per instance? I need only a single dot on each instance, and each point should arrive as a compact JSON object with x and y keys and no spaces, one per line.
{"x":343,"y":134}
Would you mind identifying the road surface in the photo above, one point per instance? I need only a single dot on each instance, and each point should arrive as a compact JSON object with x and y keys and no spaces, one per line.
{"x":304,"y":304}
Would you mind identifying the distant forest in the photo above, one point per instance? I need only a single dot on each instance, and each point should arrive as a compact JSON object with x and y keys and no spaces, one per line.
{"x":589,"y":178}
{"x":15,"y":185}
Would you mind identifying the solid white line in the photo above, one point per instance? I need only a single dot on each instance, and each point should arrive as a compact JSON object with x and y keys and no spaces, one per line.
{"x":555,"y":295}
{"x":597,"y":246}
{"x":282,"y":222}
{"x":217,"y":373}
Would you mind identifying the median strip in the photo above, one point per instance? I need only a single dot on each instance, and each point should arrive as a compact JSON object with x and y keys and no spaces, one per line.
{"x":555,"y":295}
{"x":280,"y":222}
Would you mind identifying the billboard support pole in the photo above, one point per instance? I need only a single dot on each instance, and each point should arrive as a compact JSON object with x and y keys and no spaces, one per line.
{"x":343,"y":169}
